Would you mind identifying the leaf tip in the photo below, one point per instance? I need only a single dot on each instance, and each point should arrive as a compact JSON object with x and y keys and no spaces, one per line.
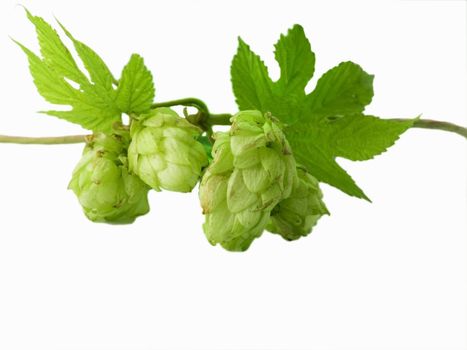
{"x":28,"y":13}
{"x":67,"y":33}
{"x":297,"y":28}
{"x":241,"y":42}
{"x":22,"y":47}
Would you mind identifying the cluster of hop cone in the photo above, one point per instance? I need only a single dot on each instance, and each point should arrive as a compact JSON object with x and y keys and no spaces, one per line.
{"x":250,"y":184}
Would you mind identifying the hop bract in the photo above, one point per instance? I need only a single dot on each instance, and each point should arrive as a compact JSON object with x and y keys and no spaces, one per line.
{"x":164,"y":151}
{"x":252,"y":171}
{"x":296,"y":215}
{"x":103,"y":185}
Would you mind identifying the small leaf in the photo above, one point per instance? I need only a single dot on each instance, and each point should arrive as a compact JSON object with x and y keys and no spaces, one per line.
{"x":135,"y":92}
{"x":207,"y":145}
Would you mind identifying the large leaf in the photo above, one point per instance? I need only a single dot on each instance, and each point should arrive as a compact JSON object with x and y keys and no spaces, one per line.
{"x":94,"y":103}
{"x":325,"y":124}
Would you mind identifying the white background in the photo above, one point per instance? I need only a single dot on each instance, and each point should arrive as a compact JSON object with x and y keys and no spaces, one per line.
{"x":386,"y":275}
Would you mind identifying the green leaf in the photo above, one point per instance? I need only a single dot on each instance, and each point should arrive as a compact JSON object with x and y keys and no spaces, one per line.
{"x":316,"y":144}
{"x":342,"y":90}
{"x":100,"y":74}
{"x":54,"y":52}
{"x":296,"y":61}
{"x":92,"y":105}
{"x":88,"y":110}
{"x":321,"y":164}
{"x":254,"y":89}
{"x":324,"y":124}
{"x":206,"y":142}
{"x":135,"y":92}
{"x":95,"y":104}
{"x":362,"y":137}
{"x":250,"y":80}
{"x":49,"y":83}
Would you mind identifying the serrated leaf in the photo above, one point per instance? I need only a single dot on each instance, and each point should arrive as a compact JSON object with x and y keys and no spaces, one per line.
{"x":54,"y":52}
{"x":324,"y":124}
{"x":296,"y":61}
{"x":321,"y":165}
{"x":49,"y":84}
{"x":342,"y":90}
{"x":316,"y":145}
{"x":88,"y":110}
{"x":362,"y":137}
{"x":100,"y":74}
{"x":250,"y":79}
{"x":95,"y":103}
{"x":254,"y":89}
{"x":92,"y":105}
{"x":89,"y":115}
{"x":135,"y":92}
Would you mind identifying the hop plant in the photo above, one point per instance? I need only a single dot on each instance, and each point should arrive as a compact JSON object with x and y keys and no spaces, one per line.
{"x":252,"y":182}
{"x":164,"y":151}
{"x":295,"y":216}
{"x":252,"y":171}
{"x":104,"y":187}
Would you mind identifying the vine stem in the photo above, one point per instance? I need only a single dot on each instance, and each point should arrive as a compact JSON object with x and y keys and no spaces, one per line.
{"x":187,"y":102}
{"x":207,"y":121}
{"x":438,"y":125}
{"x":53,"y":140}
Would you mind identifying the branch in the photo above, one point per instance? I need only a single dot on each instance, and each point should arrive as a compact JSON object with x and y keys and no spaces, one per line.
{"x":438,"y":125}
{"x":54,"y":140}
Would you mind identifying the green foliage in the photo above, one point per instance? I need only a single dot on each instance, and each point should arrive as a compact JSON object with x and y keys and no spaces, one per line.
{"x":250,"y":181}
{"x":324,"y":124}
{"x":342,"y":90}
{"x":135,"y":89}
{"x":100,"y":74}
{"x":355,"y":137}
{"x":254,"y":89}
{"x":95,"y":104}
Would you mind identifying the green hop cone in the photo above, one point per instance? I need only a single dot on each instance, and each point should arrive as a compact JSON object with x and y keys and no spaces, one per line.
{"x":252,"y":171}
{"x":164,"y":151}
{"x":295,"y":216}
{"x":104,"y":187}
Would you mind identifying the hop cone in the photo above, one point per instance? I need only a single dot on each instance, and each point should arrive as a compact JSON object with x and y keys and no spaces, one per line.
{"x":164,"y":151}
{"x":252,"y":171}
{"x":105,"y":189}
{"x":296,"y":215}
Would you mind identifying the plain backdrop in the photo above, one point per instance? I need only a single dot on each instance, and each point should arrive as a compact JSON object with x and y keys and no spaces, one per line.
{"x":386,"y":275}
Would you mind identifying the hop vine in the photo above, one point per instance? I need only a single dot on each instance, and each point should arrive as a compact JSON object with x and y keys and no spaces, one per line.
{"x":263,"y":174}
